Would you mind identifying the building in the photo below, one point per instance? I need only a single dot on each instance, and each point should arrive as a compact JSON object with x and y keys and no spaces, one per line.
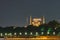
{"x":37,"y":21}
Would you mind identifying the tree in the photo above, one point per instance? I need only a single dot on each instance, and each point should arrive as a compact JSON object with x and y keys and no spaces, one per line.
{"x":58,"y":31}
{"x":54,"y":24}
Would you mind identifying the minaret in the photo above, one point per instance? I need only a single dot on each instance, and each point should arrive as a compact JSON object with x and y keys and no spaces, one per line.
{"x":30,"y":20}
{"x":43,"y":20}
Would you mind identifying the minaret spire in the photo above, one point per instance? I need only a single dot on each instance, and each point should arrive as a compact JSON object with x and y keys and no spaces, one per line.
{"x":30,"y":20}
{"x":43,"y":21}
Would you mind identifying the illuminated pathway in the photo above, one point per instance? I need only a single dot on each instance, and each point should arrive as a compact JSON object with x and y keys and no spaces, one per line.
{"x":37,"y":38}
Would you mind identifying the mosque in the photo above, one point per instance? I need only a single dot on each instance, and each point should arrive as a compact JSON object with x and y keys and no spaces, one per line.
{"x":36,"y":21}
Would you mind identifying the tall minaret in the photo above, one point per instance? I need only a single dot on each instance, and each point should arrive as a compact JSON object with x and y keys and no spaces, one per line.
{"x":30,"y":20}
{"x":43,"y":20}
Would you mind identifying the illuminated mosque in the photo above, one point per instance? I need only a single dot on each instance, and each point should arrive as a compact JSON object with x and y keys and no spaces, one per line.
{"x":36,"y":21}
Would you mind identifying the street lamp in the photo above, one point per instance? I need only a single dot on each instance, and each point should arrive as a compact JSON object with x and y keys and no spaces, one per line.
{"x":31,"y":33}
{"x":36,"y":33}
{"x":25,"y":33}
{"x":20,"y":33}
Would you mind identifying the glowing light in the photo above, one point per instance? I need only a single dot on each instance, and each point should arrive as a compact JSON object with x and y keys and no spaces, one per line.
{"x":20,"y":33}
{"x":14,"y":33}
{"x":47,"y":32}
{"x":6,"y":34}
{"x":25,"y":33}
{"x":36,"y":19}
{"x":1,"y":34}
{"x":43,"y":38}
{"x":42,"y":33}
{"x":36,"y":33}
{"x":31,"y":33}
{"x":53,"y":33}
{"x":10,"y":34}
{"x":36,"y":22}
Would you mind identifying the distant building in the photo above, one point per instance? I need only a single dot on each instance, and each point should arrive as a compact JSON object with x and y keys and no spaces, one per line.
{"x":37,"y":21}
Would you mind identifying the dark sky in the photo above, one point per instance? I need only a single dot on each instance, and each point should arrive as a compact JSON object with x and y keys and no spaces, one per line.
{"x":14,"y":12}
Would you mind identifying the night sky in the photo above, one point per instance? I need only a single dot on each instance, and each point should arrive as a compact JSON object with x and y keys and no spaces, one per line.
{"x":14,"y":12}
